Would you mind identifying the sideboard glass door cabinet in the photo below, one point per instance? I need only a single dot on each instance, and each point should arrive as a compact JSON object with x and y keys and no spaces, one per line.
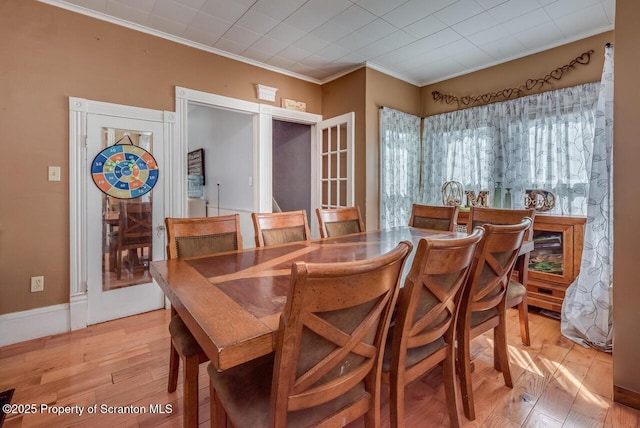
{"x":555,"y":261}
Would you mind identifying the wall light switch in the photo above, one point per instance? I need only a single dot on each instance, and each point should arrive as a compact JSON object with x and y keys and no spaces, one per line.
{"x":54,"y":173}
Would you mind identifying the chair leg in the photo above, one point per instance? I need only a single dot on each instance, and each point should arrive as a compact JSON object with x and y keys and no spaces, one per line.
{"x":522,"y":265}
{"x":372,"y":415}
{"x":118,"y":264}
{"x":449,"y":374}
{"x":218,"y":413}
{"x":396,"y":400}
{"x":523,"y":313}
{"x":190,"y":386}
{"x":500,"y":349}
{"x":174,"y":363}
{"x":464,"y":363}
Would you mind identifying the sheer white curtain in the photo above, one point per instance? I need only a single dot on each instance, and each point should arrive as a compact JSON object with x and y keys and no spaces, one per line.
{"x":542,"y":141}
{"x":463,"y":146}
{"x":586,"y":310}
{"x":399,"y":166}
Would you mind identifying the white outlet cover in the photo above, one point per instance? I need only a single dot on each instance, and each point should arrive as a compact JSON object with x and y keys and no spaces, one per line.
{"x":37,"y":283}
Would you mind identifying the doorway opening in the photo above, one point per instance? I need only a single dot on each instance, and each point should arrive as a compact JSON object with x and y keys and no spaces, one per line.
{"x":291,"y":167}
{"x":225,"y":139}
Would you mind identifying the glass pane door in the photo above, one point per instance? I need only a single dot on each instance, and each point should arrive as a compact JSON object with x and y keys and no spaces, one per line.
{"x":127,"y":224}
{"x":336,"y":154}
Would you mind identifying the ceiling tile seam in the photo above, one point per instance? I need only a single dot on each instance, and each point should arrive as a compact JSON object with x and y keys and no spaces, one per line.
{"x":235,"y":23}
{"x":523,"y":54}
{"x":283,"y":20}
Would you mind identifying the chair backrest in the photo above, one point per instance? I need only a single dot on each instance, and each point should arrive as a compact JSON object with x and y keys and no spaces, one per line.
{"x":190,"y":237}
{"x":428,"y":304}
{"x":331,"y":338}
{"x":280,"y":228}
{"x":135,"y":224}
{"x":339,"y":221}
{"x":493,"y":261}
{"x":483,"y":215}
{"x":434,"y":217}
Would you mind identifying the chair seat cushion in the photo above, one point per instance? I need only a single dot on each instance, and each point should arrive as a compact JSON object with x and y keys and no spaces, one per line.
{"x":245,"y":393}
{"x":478,"y":317}
{"x":182,"y":338}
{"x":515,"y":290}
{"x":414,"y":355}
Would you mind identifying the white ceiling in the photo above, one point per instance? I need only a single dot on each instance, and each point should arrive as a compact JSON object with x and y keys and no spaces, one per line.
{"x":419,"y":41}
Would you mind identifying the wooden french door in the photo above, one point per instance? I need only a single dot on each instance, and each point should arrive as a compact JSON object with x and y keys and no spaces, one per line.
{"x":336,"y":162}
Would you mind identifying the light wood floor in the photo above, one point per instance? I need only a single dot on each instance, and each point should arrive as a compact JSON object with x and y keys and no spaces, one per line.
{"x":124,"y":363}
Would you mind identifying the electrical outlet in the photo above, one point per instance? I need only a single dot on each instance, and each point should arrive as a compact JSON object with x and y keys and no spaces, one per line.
{"x":37,"y":283}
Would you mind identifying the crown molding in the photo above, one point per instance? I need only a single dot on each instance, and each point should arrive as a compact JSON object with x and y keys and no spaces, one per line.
{"x":137,"y":27}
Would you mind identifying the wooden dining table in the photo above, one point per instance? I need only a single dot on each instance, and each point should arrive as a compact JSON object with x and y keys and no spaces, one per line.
{"x":231,"y":302}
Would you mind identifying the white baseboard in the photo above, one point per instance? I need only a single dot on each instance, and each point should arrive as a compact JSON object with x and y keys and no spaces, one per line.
{"x":32,"y":324}
{"x":78,"y":308}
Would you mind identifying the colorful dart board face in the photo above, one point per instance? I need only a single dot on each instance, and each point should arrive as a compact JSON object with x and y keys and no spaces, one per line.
{"x":124,"y":171}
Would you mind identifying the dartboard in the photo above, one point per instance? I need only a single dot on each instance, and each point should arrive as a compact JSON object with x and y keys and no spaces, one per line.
{"x":124,"y":171}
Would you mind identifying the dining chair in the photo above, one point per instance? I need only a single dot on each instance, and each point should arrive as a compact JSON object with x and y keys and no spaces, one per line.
{"x":280,"y":228}
{"x":134,"y":233}
{"x":483,"y":303}
{"x":434,"y":217}
{"x":517,"y":291}
{"x":423,"y":334}
{"x":339,"y":221}
{"x":192,"y":237}
{"x":327,"y":363}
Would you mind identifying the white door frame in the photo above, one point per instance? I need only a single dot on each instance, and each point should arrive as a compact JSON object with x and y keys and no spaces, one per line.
{"x":79,"y":108}
{"x":262,"y":145}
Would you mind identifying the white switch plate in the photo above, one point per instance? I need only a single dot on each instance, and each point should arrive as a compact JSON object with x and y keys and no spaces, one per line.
{"x":37,"y":283}
{"x":54,"y":173}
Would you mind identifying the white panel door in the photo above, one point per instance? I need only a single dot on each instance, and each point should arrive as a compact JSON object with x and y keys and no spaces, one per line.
{"x":123,"y":235}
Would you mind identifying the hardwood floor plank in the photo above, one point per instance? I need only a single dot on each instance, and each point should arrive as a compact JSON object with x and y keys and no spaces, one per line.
{"x":498,"y":421}
{"x":621,"y":416}
{"x":538,"y":419}
{"x":578,"y":420}
{"x":517,"y":404}
{"x":598,"y":371}
{"x":590,"y":404}
{"x":557,"y":398}
{"x":125,"y":363}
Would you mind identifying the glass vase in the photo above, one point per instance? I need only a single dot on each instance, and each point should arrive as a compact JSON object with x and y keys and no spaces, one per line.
{"x":497,"y":195}
{"x":507,"y":198}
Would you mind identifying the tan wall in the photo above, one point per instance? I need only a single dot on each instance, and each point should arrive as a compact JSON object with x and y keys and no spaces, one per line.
{"x":515,"y":73}
{"x":626,"y":152}
{"x":49,"y":54}
{"x":382,"y":91}
{"x":344,"y":95}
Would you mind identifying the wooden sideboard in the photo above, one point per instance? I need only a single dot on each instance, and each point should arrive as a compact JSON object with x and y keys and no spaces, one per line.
{"x":555,"y":261}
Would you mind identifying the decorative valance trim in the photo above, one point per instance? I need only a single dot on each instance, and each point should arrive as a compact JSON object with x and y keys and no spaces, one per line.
{"x":520,"y":91}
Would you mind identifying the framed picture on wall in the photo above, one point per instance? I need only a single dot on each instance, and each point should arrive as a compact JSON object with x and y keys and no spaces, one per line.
{"x":195,"y":163}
